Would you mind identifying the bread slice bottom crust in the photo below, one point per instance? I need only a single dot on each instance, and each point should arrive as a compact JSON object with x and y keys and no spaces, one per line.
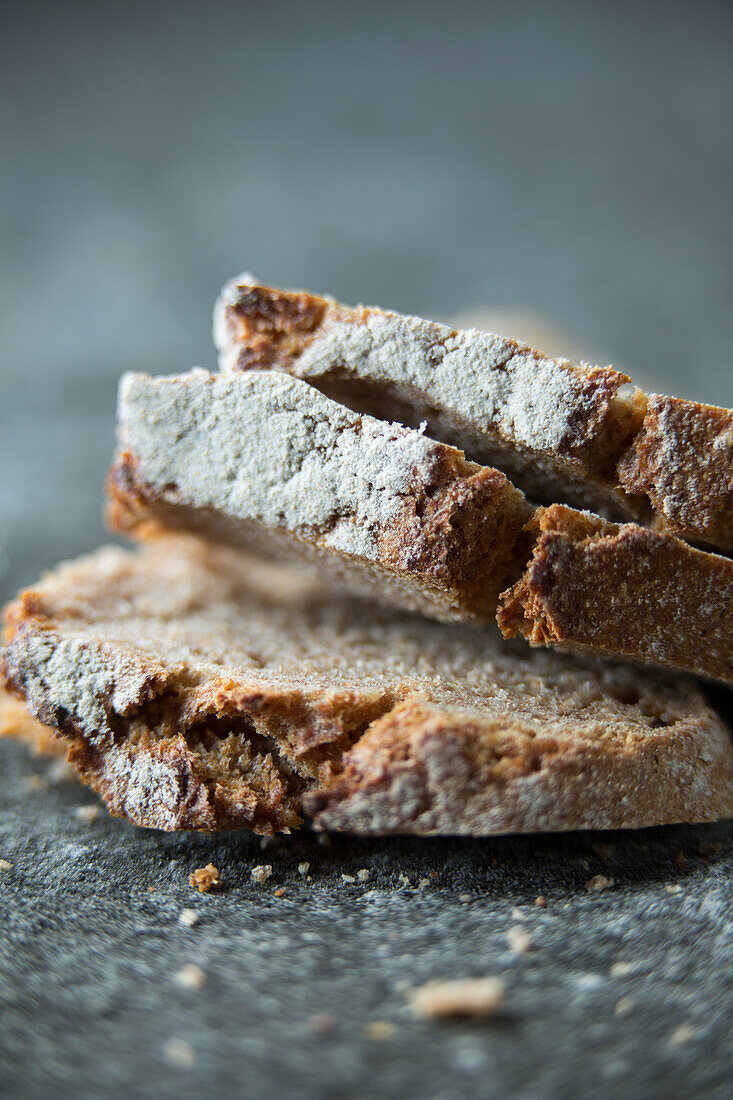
{"x":198,"y":689}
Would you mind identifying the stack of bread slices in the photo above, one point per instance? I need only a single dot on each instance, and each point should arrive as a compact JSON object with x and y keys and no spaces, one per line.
{"x":346,"y":539}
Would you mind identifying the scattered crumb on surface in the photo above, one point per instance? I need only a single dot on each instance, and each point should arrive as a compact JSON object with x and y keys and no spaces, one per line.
{"x":191,"y":976}
{"x":404,"y":880}
{"x":464,"y":897}
{"x":188,"y":917}
{"x":624,"y":1006}
{"x":460,"y":997}
{"x":5,"y":865}
{"x":348,"y":878}
{"x":380,"y":1029}
{"x":179,"y":1054}
{"x":363,"y":875}
{"x":61,"y":772}
{"x":87,"y":814}
{"x":621,"y":969}
{"x":320,"y":1023}
{"x":206,"y":878}
{"x":423,"y":882}
{"x":304,"y":868}
{"x":682,"y":1034}
{"x":519,"y":940}
{"x":279,"y":893}
{"x":598,"y":882}
{"x":672,"y":888}
{"x":540,"y":901}
{"x":261,"y":873}
{"x":35,"y":783}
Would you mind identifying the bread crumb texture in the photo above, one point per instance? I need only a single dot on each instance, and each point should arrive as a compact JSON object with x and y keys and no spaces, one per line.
{"x":205,"y":878}
{"x":196,"y":688}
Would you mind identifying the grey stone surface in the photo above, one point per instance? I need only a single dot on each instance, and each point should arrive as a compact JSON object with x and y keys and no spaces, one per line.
{"x":569,"y":158}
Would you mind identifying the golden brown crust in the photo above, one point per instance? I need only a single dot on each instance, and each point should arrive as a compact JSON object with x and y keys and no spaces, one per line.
{"x":197,"y":690}
{"x":416,"y":771}
{"x":648,"y":458}
{"x":455,"y":544}
{"x":682,"y":460}
{"x":624,"y":591}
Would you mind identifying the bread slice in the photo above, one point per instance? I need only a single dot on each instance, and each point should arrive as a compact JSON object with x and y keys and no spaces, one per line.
{"x":578,"y":434}
{"x":624,"y":591}
{"x":200,"y":689}
{"x":266,"y":462}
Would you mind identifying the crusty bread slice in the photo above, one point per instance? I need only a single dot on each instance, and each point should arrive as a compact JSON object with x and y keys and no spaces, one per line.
{"x":625,"y":591}
{"x":579,"y":434}
{"x":200,"y":689}
{"x":268,"y":463}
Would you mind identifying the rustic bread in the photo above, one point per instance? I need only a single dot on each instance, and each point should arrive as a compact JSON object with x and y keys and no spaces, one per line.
{"x":266,"y":462}
{"x":200,"y":689}
{"x":624,"y":591}
{"x":578,"y":434}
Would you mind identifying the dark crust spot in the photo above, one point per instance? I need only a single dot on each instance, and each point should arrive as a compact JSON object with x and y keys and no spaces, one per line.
{"x":271,"y":325}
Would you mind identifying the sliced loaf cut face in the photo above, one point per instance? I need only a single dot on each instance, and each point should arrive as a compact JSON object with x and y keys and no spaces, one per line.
{"x":265,"y":462}
{"x":199,"y":689}
{"x":268,"y":463}
{"x":623,"y":591}
{"x":579,"y":434}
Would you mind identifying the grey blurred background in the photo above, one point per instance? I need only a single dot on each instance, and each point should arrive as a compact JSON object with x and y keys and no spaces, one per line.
{"x":569,"y":158}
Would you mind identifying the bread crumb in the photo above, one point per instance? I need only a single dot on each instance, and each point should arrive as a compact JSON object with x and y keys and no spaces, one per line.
{"x":188,"y":917}
{"x":348,"y":878}
{"x":404,"y":880}
{"x":380,"y":1029}
{"x":423,"y":882}
{"x":320,"y":1023}
{"x":179,"y":1054}
{"x":672,"y":888}
{"x":464,"y":897}
{"x":279,"y":893}
{"x":87,"y":814}
{"x":621,"y":969}
{"x":261,"y":873}
{"x":191,"y":976}
{"x":304,"y":868}
{"x":35,"y":783}
{"x":460,"y":997}
{"x":624,"y":1006}
{"x":599,"y":882}
{"x":682,"y":1034}
{"x":540,"y":901}
{"x":519,"y":940}
{"x":5,"y":865}
{"x":363,"y":875}
{"x":517,"y":914}
{"x":206,"y":878}
{"x":61,"y":772}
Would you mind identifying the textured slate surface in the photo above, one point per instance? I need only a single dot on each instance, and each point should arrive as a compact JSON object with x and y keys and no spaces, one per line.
{"x":569,"y":158}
